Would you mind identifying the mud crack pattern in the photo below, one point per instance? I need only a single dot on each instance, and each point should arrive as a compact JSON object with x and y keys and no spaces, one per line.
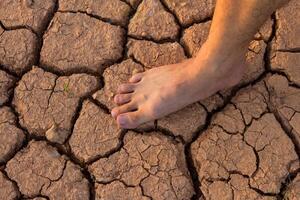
{"x":60,"y":65}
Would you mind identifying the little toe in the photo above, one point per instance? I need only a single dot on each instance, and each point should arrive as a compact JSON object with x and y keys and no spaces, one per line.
{"x":123,"y":109}
{"x":136,"y":78}
{"x":131,"y":120}
{"x":126,"y":88}
{"x":121,"y":99}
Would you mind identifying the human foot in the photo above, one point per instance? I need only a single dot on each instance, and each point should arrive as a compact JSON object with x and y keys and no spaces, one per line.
{"x":164,"y":90}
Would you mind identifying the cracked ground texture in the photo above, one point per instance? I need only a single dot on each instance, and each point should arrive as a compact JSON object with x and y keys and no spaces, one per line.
{"x":61,"y":63}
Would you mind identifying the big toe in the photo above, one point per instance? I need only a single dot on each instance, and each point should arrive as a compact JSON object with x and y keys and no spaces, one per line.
{"x":131,"y":120}
{"x":123,"y":109}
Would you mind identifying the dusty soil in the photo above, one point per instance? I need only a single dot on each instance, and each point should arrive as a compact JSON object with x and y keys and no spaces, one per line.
{"x":60,"y":65}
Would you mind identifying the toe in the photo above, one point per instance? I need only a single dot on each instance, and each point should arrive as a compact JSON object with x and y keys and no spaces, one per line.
{"x":126,"y":88}
{"x":136,"y":78}
{"x":123,"y":109}
{"x":121,"y":99}
{"x":130,"y":120}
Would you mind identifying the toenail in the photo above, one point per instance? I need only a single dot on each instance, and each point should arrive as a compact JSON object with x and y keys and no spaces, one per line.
{"x":116,"y":98}
{"x":114,"y":113}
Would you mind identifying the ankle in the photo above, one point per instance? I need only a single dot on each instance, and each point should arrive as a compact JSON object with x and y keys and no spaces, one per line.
{"x":224,"y":49}
{"x":220,"y":61}
{"x":224,"y":44}
{"x":226,"y":68}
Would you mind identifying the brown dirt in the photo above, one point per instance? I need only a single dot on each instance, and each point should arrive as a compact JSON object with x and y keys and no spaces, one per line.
{"x":293,"y":190}
{"x":134,"y":3}
{"x":285,"y":101}
{"x":151,"y":21}
{"x":69,"y":45}
{"x":244,"y":140}
{"x":95,"y":133}
{"x":149,"y":162}
{"x":191,"y":11}
{"x":40,"y":170}
{"x":6,"y":86}
{"x":45,"y":101}
{"x":114,"y":11}
{"x":17,"y":49}
{"x":185,"y":122}
{"x":11,"y":136}
{"x":265,"y":31}
{"x":60,"y":65}
{"x":8,"y":190}
{"x":27,"y":13}
{"x":288,"y":27}
{"x":236,"y":188}
{"x":118,"y":191}
{"x":289,"y":64}
{"x":151,"y":54}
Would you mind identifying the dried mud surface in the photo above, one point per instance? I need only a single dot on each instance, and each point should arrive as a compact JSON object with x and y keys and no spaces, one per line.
{"x":61,"y":63}
{"x":76,"y":41}
{"x":17,"y":49}
{"x":33,"y":14}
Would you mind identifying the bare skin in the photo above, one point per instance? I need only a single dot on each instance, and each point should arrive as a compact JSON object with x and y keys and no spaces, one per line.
{"x":219,"y":64}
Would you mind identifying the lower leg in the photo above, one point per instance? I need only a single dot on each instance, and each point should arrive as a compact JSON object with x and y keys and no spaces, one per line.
{"x":219,"y":64}
{"x":235,"y":22}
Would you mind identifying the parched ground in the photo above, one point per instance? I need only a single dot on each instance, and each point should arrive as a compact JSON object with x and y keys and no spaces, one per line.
{"x":61,"y":62}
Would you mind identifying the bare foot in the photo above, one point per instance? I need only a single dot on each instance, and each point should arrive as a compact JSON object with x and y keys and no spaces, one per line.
{"x":164,"y":90}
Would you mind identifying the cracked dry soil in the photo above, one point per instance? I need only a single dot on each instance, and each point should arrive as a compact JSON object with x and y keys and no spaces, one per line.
{"x":60,"y":65}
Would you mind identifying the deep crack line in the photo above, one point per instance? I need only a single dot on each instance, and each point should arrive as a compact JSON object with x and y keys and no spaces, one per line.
{"x":181,"y":28}
{"x":20,"y":27}
{"x":291,"y":50}
{"x":103,"y":19}
{"x":193,"y":172}
{"x":82,"y":69}
{"x":17,"y":120}
{"x":63,"y":151}
{"x":287,"y":130}
{"x":15,"y":184}
{"x":128,"y":4}
{"x":47,"y":24}
{"x":161,"y":41}
{"x":284,"y":124}
{"x":288,"y":180}
{"x":79,"y":108}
